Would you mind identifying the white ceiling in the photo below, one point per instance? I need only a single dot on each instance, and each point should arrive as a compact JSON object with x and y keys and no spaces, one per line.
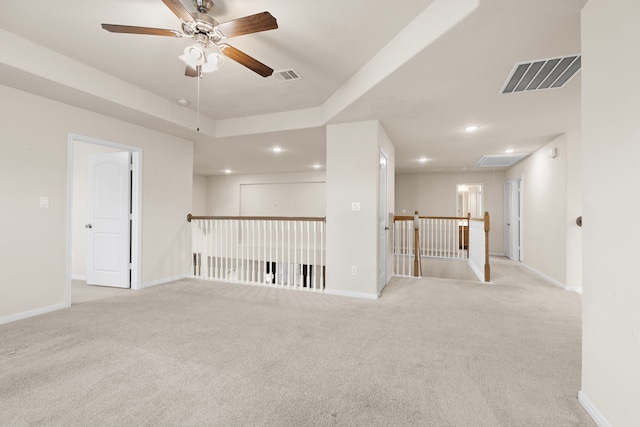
{"x":360,"y":60}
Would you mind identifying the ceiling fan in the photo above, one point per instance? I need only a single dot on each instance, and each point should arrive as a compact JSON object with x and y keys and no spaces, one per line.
{"x":207,"y":32}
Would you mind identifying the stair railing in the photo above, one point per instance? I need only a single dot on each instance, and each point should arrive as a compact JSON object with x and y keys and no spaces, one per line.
{"x":284,"y":252}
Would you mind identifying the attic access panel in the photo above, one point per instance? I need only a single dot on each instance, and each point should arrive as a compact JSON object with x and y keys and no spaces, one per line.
{"x":500,"y":160}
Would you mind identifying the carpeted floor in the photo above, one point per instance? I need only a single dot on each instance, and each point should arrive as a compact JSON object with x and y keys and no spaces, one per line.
{"x":430,"y":352}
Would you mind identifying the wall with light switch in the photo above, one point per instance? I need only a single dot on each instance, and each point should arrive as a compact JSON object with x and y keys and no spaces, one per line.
{"x":353,"y":168}
{"x":34,"y":140}
{"x":552,"y":200}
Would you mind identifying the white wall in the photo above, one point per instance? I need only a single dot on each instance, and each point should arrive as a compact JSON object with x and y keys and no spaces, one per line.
{"x":610,"y":153}
{"x":435,"y":195}
{"x":353,"y":158}
{"x":300,"y":199}
{"x":199,"y":205}
{"x":224,"y":194}
{"x":33,"y":140}
{"x":551,"y":237}
{"x":574,"y":210}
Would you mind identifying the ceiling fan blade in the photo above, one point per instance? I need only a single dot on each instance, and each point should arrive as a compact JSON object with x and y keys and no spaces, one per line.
{"x":179,"y":10}
{"x":244,"y":59}
{"x":249,"y":24}
{"x":141,"y":30}
{"x":191,"y":72}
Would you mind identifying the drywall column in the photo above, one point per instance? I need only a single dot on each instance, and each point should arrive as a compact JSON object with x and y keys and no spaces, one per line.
{"x":610,"y":153}
{"x":352,"y":207}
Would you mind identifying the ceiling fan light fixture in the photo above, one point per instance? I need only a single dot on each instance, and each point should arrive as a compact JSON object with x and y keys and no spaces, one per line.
{"x":193,"y":55}
{"x":213,"y":62}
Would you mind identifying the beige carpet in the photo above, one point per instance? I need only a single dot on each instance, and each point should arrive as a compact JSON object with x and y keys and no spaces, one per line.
{"x":430,"y":352}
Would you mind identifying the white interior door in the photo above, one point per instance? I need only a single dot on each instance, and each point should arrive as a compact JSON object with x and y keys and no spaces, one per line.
{"x":513,"y":219}
{"x":383,"y":225}
{"x":507,"y":219}
{"x":108,"y":225}
{"x":519,"y":235}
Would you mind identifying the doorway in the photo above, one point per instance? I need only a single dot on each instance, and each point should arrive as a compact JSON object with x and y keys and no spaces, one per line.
{"x":78,"y":149}
{"x":382,"y":223}
{"x":513,"y":219}
{"x":469,"y":200}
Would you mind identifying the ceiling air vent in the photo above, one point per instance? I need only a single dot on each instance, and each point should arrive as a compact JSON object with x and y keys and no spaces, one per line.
{"x":286,"y":75}
{"x":542,"y":74}
{"x":498,"y":160}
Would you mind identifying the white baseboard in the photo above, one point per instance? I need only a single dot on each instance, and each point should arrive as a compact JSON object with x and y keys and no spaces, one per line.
{"x":163,"y":281}
{"x":350,"y":294}
{"x":83,"y":278}
{"x":31,"y":313}
{"x":591,"y":409}
{"x":554,"y":281}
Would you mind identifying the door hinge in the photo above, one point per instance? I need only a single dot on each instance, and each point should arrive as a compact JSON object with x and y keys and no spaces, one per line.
{"x":130,"y":266}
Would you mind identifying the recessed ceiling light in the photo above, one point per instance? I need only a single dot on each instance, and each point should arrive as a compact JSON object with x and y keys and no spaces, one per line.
{"x":510,"y":150}
{"x":316,"y":165}
{"x":227,"y":171}
{"x":422,"y":159}
{"x":182,"y":102}
{"x":472,"y":128}
{"x":276,"y":149}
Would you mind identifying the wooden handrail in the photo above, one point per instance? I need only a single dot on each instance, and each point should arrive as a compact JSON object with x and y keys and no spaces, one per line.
{"x":410,"y":218}
{"x":262,"y":218}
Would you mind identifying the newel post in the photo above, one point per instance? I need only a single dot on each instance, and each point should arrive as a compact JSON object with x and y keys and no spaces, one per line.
{"x":487,"y":267}
{"x":416,"y":244}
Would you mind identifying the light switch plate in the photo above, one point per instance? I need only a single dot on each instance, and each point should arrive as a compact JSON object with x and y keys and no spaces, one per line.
{"x":44,"y":202}
{"x":355,"y":206}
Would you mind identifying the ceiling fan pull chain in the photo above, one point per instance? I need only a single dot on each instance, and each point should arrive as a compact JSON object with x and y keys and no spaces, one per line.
{"x":199,"y":76}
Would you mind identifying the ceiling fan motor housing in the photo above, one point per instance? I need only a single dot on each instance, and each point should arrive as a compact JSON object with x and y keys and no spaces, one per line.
{"x":203,"y":6}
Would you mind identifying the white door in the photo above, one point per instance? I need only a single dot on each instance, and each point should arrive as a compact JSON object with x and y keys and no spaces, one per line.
{"x":383,"y":225}
{"x":512,"y":219}
{"x":108,"y":224}
{"x":517,"y":241}
{"x":507,"y":219}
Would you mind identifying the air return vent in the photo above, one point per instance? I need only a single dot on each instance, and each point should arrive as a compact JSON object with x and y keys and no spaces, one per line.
{"x":498,"y":160}
{"x":542,"y":74}
{"x":286,"y":75}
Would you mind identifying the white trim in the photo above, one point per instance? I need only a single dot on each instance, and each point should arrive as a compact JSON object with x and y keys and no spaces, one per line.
{"x":136,"y":197}
{"x":77,"y":277}
{"x":136,"y":220}
{"x":591,"y":409}
{"x":554,"y":282}
{"x":341,"y":293}
{"x":31,"y":313}
{"x":163,"y":281}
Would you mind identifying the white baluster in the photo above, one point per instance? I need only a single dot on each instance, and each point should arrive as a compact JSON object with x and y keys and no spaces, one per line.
{"x":289,"y":271}
{"x":322,"y":255}
{"x":315,"y":261}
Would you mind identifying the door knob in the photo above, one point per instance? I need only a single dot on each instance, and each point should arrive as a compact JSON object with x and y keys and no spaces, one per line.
{"x":386,"y":228}
{"x":88,"y":226}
